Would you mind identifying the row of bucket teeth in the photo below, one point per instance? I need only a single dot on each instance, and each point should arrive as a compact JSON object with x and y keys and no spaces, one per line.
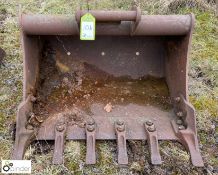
{"x":186,"y":135}
{"x":120,"y":130}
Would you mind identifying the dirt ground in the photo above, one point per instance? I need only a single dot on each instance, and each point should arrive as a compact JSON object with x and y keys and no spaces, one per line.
{"x":203,"y":92}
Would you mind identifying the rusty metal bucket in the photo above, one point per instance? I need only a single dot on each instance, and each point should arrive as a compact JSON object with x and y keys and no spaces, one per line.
{"x":128,"y":84}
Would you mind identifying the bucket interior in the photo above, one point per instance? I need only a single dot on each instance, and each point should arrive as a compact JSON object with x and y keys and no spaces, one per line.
{"x":113,"y":76}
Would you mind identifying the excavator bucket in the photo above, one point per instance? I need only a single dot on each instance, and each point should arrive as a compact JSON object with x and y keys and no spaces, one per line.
{"x":130,"y":83}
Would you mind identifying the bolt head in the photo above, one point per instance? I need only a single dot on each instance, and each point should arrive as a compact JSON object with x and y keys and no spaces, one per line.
{"x":61,"y":120}
{"x":120,"y":128}
{"x":181,"y":127}
{"x":120,"y":122}
{"x":179,"y":122}
{"x":60,"y":128}
{"x":149,"y":123}
{"x":151,"y":128}
{"x":90,"y":122}
{"x":179,"y":114}
{"x":177,"y":99}
{"x":90,"y":128}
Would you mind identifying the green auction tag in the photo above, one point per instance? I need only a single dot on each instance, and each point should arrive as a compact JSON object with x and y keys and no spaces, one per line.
{"x":87,"y":27}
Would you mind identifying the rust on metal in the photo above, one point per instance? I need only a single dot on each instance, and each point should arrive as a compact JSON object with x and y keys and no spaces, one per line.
{"x":188,"y":135}
{"x":110,"y":16}
{"x":24,"y":135}
{"x":120,"y":128}
{"x":152,"y":139}
{"x":128,"y":84}
{"x":90,"y":142}
{"x":60,"y":131}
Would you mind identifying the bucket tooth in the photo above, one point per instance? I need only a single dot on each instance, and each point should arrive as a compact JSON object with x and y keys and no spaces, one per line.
{"x":121,"y":142}
{"x":186,"y":132}
{"x":190,"y":141}
{"x":23,"y":139}
{"x":60,"y":131}
{"x":152,"y":139}
{"x":90,"y":142}
{"x":24,"y":133}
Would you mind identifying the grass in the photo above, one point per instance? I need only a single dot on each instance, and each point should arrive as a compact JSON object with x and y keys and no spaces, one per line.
{"x":203,"y":88}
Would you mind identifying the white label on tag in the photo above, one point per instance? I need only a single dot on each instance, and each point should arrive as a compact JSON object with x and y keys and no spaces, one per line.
{"x":88,"y":30}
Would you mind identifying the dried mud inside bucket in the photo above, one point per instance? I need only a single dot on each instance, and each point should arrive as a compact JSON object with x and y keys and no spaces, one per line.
{"x":72,"y":87}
